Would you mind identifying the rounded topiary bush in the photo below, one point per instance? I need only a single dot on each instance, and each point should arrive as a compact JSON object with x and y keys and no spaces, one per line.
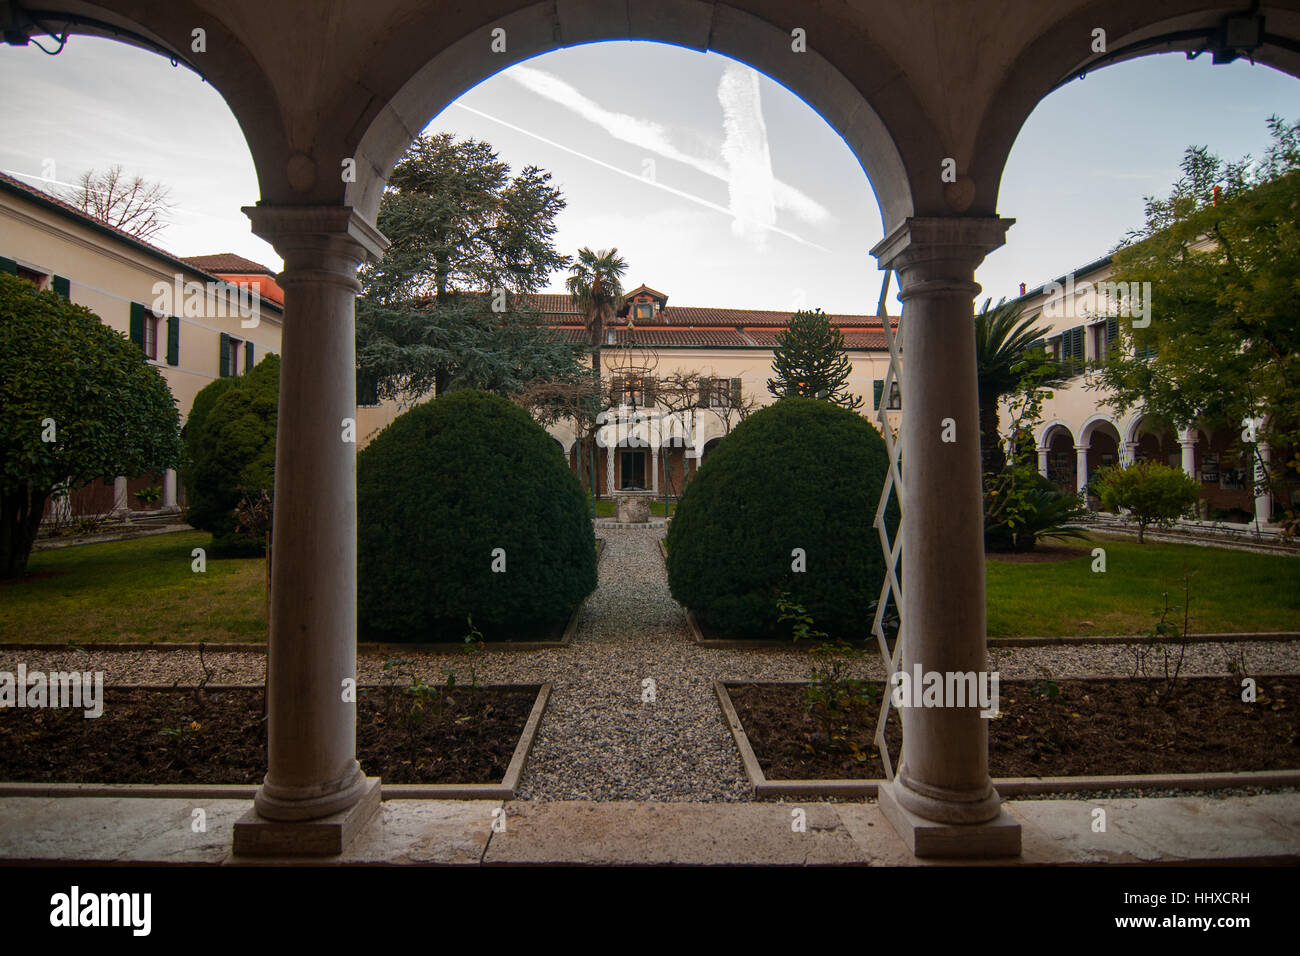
{"x":438,"y":492}
{"x":801,"y":473}
{"x":233,"y":455}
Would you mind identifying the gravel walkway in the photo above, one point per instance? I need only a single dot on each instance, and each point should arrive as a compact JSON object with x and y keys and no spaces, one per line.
{"x":599,"y":740}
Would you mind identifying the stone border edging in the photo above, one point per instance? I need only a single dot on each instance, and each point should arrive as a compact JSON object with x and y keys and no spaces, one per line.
{"x":1006,"y":786}
{"x":1063,"y":641}
{"x":505,"y":790}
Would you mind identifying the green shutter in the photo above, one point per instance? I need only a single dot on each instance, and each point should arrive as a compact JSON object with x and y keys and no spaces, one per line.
{"x":224,"y":367}
{"x":649,"y":393}
{"x":1112,"y":333}
{"x":248,"y":357}
{"x":137,"y":324}
{"x":62,"y":286}
{"x":735,"y":393}
{"x":878,"y":388}
{"x":706,"y":388}
{"x":367,"y":389}
{"x":173,"y":340}
{"x":8,"y":265}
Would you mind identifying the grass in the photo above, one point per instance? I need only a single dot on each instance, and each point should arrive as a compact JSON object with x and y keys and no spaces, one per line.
{"x":605,"y":507}
{"x":144,"y":590}
{"x":137,"y":590}
{"x":1231,"y":591}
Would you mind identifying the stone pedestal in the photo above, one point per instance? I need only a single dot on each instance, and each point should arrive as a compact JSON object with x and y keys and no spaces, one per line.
{"x":633,"y":507}
{"x":255,"y":835}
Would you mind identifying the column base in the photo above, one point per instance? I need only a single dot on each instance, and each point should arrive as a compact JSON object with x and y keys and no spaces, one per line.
{"x":255,"y":835}
{"x":999,"y":837}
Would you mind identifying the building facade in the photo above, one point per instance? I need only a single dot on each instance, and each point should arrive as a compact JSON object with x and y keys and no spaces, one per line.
{"x":193,"y":324}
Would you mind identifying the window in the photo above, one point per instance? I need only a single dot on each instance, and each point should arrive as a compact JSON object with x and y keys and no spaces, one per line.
{"x":645,"y":310}
{"x":229,"y":356}
{"x":150,"y":341}
{"x":39,"y":279}
{"x":895,"y":394}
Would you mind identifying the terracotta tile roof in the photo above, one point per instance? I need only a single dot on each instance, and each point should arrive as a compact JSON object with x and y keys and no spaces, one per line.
{"x":873,"y":339}
{"x":228,"y":263}
{"x":685,"y":337}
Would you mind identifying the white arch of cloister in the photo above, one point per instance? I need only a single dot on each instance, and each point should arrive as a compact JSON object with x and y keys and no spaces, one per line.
{"x":917,"y":90}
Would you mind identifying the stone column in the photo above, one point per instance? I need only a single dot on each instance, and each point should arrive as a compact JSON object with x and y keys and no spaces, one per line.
{"x":1187,"y":439}
{"x":1042,"y":461}
{"x":1128,"y":453}
{"x":311,"y":729}
{"x":121,"y":507}
{"x":609,"y":469}
{"x":1080,"y":466}
{"x":1263,"y":502}
{"x":169,"y":490}
{"x":653,"y":454}
{"x":942,"y":790}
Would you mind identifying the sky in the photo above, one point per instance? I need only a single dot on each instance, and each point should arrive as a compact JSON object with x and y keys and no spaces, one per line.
{"x":717,"y":185}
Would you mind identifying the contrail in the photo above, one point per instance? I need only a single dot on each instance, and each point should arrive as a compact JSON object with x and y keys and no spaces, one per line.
{"x":641,"y":179}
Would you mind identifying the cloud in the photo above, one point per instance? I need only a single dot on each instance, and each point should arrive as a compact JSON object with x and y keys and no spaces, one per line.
{"x":655,"y":138}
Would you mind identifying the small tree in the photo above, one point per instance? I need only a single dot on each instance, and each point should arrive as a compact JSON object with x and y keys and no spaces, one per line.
{"x":78,"y":402}
{"x":1152,"y":492}
{"x":811,"y":361}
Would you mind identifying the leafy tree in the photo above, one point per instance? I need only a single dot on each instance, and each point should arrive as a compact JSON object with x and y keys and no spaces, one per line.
{"x":442,"y":309}
{"x":78,"y":402}
{"x":1003,"y":356}
{"x":135,"y":206}
{"x":234,"y":457}
{"x":200,"y":409}
{"x":1152,"y":492}
{"x":810,"y":361}
{"x":1222,"y":254}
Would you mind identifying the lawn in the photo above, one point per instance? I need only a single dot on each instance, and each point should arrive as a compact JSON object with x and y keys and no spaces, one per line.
{"x":144,"y":590}
{"x":137,"y":590}
{"x":1230,"y":591}
{"x":605,"y":507}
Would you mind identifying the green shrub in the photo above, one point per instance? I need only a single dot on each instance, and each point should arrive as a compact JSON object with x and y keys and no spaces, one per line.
{"x":1152,"y":492}
{"x":234,"y":457}
{"x":801,"y":473}
{"x":194,"y":424}
{"x":1042,"y":511}
{"x":439,"y":490}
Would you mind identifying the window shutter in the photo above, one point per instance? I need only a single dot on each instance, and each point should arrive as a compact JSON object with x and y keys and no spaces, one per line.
{"x":1036,"y":345}
{"x":8,"y":265}
{"x":173,"y":340}
{"x":367,"y":389}
{"x":248,"y":357}
{"x":706,"y":389}
{"x":878,"y":388}
{"x":137,"y":324}
{"x":615,"y":390}
{"x":224,"y":368}
{"x":735,"y":392}
{"x":62,"y":286}
{"x":1112,"y":332}
{"x":649,"y":393}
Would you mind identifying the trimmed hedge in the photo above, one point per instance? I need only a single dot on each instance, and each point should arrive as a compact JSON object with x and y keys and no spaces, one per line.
{"x":234,"y":455}
{"x":801,"y":473}
{"x":439,"y":490}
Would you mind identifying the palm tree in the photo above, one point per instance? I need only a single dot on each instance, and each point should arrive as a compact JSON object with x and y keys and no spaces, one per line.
{"x":595,"y":283}
{"x":1002,"y":337}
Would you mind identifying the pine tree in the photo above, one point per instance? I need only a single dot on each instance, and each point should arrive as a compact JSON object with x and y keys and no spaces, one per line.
{"x":811,"y":361}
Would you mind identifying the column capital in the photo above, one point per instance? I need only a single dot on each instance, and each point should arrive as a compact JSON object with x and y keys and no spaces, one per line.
{"x":934,"y":254}
{"x":318,"y":243}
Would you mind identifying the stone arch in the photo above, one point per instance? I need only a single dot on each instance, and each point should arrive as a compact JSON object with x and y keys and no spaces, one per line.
{"x":1091,"y":425}
{"x":1051,"y":430}
{"x":878,"y":133}
{"x":1062,"y":50}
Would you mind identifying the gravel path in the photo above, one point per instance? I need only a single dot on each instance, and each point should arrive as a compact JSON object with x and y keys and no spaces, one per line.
{"x":599,"y":739}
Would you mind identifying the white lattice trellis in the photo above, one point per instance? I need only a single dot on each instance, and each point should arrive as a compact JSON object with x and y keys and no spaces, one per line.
{"x":893,"y":482}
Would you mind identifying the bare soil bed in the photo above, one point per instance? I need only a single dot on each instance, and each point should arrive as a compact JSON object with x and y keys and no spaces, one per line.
{"x":1091,"y":727}
{"x":218,"y":737}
